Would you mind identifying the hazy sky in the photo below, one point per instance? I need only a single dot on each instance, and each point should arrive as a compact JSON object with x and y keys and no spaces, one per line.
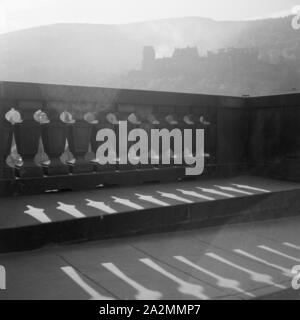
{"x":19,"y":14}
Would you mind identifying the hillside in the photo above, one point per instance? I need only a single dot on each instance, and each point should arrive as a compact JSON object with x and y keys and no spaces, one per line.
{"x":91,"y":54}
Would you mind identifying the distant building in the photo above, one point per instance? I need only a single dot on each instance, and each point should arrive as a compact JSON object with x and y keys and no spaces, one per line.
{"x":182,"y":58}
{"x":187,"y":59}
{"x":186,"y":54}
{"x":225,"y":71}
{"x":148,"y":58}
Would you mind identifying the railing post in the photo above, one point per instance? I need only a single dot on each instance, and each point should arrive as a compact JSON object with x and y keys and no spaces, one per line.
{"x":133,"y":122}
{"x":158,"y":123}
{"x":122,"y":116}
{"x":79,"y":137}
{"x":102,"y":123}
{"x":6,"y":134}
{"x":166,"y":121}
{"x":204,"y":120}
{"x":54,"y":136}
{"x":146,"y":125}
{"x":187,"y":123}
{"x":27,"y":136}
{"x":152,"y":123}
{"x":171,"y":124}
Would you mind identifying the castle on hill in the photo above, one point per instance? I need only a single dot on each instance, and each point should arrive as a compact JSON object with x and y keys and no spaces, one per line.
{"x":188,"y":60}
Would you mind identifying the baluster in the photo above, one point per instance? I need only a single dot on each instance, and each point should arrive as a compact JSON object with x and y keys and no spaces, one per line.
{"x":27,"y":135}
{"x":120,"y":116}
{"x":171,"y":123}
{"x":156,"y":121}
{"x":79,"y":137}
{"x":54,"y":136}
{"x":6,"y":172}
{"x":208,"y":137}
{"x":150,"y":124}
{"x":105,"y":121}
{"x":189,"y":124}
{"x":90,"y":117}
{"x":114,"y":119}
{"x":133,"y":122}
{"x":146,"y":125}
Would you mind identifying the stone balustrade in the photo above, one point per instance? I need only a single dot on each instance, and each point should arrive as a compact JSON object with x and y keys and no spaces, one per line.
{"x":49,"y":133}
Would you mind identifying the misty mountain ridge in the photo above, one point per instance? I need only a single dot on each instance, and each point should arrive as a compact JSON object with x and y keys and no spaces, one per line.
{"x":96,"y":54}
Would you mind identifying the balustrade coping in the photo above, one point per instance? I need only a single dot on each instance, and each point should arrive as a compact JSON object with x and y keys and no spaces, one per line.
{"x":34,"y":103}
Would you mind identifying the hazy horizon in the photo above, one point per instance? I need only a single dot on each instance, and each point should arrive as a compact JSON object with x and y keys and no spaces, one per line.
{"x":26,"y":14}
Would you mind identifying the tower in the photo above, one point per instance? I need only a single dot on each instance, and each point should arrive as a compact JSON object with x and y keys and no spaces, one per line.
{"x":148,"y":58}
